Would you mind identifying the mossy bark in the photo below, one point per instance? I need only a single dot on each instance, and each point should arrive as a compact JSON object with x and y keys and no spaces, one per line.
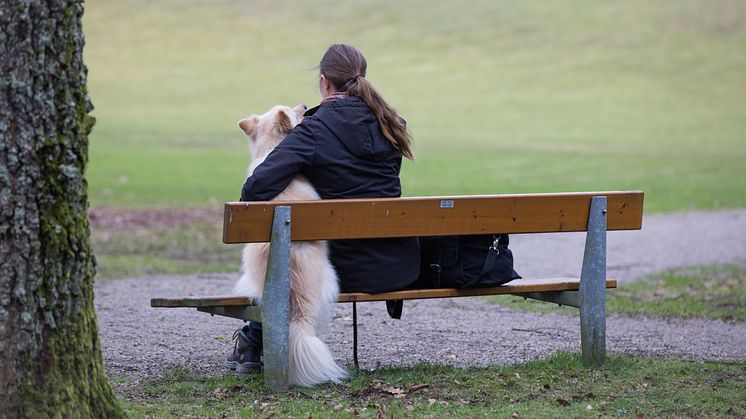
{"x":50,"y":357}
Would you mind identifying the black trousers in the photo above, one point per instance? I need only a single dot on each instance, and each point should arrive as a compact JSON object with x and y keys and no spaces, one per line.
{"x":255,"y":334}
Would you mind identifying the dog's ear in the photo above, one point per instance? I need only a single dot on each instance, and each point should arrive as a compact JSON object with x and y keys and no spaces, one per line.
{"x":300,"y":110}
{"x":249,"y":125}
{"x":283,"y":121}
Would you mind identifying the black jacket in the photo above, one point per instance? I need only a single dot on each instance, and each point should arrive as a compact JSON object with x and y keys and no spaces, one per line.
{"x":339,"y":147}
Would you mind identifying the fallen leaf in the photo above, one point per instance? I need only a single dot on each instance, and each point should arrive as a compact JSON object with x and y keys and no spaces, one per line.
{"x":417,"y":387}
{"x":431,"y":401}
{"x":393,"y":390}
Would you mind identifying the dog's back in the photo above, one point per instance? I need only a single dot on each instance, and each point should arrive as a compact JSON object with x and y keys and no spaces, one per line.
{"x":314,"y":286}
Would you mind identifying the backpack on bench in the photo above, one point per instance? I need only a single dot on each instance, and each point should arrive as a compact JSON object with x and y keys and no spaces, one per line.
{"x":474,"y":261}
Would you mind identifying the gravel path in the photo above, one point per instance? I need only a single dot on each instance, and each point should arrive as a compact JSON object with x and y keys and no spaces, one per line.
{"x":140,"y":342}
{"x":665,"y":241}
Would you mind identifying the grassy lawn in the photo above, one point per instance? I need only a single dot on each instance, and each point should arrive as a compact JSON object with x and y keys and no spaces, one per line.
{"x":151,"y":249}
{"x":708,"y":292}
{"x":557,"y":387}
{"x":502,"y":97}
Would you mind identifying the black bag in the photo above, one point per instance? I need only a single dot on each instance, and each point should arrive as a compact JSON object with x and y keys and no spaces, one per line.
{"x":474,"y":261}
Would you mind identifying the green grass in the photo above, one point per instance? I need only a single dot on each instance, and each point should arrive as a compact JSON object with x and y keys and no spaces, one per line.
{"x":192,"y":248}
{"x":708,"y":292}
{"x":501,"y":96}
{"x":557,"y":387}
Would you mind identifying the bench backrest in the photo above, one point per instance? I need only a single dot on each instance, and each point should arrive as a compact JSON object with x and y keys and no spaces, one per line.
{"x":249,"y":222}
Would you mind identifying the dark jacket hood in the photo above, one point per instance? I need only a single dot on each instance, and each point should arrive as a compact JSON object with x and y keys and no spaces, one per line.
{"x":355,"y":126}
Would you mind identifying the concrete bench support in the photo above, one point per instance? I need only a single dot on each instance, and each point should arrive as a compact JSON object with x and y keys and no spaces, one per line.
{"x":276,"y":304}
{"x":592,"y":286}
{"x":247,"y":313}
{"x":562,"y":298}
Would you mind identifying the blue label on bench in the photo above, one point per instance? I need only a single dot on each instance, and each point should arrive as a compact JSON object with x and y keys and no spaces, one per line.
{"x":446,"y":203}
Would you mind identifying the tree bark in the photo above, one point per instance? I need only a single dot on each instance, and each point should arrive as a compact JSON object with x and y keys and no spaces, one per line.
{"x":50,"y":357}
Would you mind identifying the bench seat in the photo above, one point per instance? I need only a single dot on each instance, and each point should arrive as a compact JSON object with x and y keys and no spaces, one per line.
{"x":518,"y":286}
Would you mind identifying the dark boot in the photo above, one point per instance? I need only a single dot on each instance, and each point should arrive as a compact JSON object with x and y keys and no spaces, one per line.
{"x":247,"y":349}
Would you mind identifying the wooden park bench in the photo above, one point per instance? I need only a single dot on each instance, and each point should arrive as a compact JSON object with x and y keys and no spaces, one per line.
{"x":282,"y":222}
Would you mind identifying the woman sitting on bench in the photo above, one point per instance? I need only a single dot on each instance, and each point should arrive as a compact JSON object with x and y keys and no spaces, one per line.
{"x":350,"y":146}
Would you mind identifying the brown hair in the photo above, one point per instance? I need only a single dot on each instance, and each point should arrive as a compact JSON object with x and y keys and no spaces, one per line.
{"x":344,"y":66}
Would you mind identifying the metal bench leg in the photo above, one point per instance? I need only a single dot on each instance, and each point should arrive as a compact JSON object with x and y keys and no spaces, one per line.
{"x":354,"y":334}
{"x":276,"y":304}
{"x":593,"y":286}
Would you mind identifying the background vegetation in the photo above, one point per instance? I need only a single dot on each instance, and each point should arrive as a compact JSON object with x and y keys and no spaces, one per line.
{"x":502,"y":97}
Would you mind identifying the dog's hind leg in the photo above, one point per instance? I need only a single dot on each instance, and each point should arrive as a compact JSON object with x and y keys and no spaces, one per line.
{"x":314,"y":290}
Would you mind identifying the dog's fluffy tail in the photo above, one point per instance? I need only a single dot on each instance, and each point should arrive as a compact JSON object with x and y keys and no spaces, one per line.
{"x":311,"y":361}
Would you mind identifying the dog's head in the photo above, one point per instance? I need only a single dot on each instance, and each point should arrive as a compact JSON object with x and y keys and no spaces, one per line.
{"x":266,"y":131}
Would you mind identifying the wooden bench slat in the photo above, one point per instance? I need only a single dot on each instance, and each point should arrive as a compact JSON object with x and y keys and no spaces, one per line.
{"x":248,"y":222}
{"x":515,"y":287}
{"x":202,"y":301}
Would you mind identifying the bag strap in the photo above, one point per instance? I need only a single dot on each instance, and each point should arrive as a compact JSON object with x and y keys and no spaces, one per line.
{"x":492,"y":253}
{"x":394,"y":307}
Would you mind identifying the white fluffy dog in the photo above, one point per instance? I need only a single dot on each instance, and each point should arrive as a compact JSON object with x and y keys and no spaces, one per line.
{"x":313,"y":281}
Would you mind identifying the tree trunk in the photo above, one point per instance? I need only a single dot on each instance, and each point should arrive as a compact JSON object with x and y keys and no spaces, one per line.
{"x":50,"y":357}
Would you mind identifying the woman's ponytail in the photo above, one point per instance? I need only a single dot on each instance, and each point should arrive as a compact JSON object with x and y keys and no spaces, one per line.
{"x":344,"y":66}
